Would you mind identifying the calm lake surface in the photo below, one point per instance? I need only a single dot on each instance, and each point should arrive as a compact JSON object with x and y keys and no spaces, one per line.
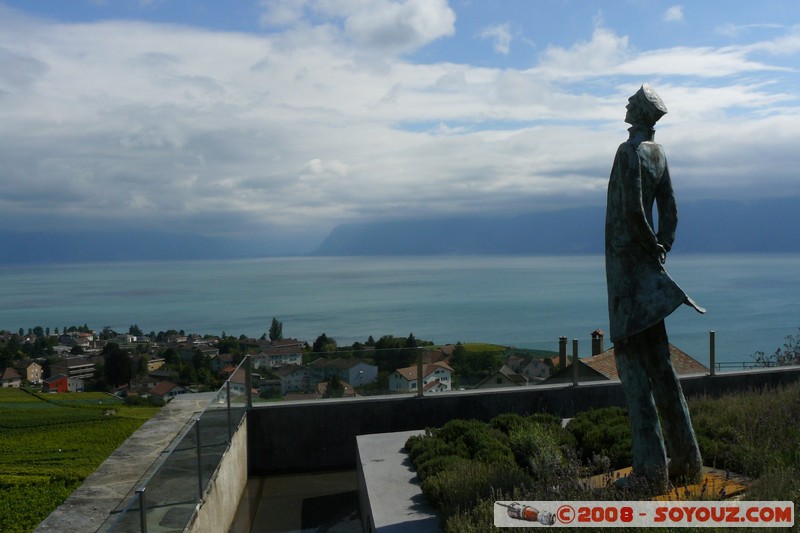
{"x":752,"y":300}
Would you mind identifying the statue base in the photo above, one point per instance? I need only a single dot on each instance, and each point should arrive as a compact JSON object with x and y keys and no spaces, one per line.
{"x":714,"y":485}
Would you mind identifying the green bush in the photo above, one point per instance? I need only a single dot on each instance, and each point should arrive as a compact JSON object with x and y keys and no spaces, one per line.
{"x":535,"y":448}
{"x":465,"y":483}
{"x":605,"y":431}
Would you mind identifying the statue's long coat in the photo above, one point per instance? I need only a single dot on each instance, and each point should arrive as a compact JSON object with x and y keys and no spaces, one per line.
{"x":640,"y":292}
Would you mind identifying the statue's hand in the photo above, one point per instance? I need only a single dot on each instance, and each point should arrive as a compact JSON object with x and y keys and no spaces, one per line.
{"x":661,"y":254}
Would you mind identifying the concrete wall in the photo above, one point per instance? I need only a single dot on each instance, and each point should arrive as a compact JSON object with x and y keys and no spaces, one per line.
{"x":218,"y":509}
{"x":318,"y":435}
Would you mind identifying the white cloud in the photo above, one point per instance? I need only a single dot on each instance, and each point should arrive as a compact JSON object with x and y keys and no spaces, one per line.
{"x":735,"y":30}
{"x":277,"y":13}
{"x":136,"y":123}
{"x":394,"y":26}
{"x":500,"y":35}
{"x":400,"y":25}
{"x":673,"y":14}
{"x":603,"y":53}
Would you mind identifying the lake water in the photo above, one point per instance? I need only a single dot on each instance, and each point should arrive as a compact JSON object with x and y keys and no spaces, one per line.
{"x":752,"y":300}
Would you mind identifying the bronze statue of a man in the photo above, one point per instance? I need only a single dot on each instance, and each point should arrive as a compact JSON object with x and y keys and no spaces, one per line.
{"x":641,"y":294}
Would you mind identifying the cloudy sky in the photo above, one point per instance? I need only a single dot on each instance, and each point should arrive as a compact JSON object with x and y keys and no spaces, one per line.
{"x":254,"y":119}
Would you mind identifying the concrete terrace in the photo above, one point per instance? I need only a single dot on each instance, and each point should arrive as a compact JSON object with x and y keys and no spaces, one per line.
{"x":304,"y":453}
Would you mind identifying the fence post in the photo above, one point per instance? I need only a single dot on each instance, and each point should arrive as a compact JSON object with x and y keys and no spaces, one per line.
{"x":228,"y":394}
{"x":420,"y":372}
{"x":712,"y":352}
{"x":248,"y":381}
{"x":199,"y":462}
{"x":575,"y":362}
{"x":142,"y":510}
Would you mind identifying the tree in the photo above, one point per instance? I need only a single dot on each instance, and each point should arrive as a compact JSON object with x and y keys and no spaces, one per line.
{"x":323,"y":344}
{"x":171,"y":357}
{"x":395,"y":352}
{"x":188,"y":374}
{"x":335,"y":389}
{"x":275,"y":330}
{"x":474,"y":366}
{"x":142,"y":365}
{"x":117,"y":367}
{"x":135,"y":330}
{"x":788,"y":354}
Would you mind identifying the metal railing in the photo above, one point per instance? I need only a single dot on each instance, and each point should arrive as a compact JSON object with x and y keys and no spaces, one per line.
{"x":167,"y":498}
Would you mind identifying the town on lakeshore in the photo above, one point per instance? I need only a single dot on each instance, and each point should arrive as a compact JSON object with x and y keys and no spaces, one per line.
{"x":160,"y":366}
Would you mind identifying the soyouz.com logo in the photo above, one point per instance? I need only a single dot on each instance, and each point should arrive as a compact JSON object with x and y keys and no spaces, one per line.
{"x":643,"y":514}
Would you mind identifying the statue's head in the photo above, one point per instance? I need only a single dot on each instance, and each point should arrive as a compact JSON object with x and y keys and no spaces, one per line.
{"x":645,"y":107}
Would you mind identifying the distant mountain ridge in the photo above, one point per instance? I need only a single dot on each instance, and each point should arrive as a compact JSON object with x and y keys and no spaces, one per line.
{"x":717,"y":226}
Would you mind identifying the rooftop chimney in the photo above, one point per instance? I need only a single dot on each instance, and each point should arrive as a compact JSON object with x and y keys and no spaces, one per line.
{"x":562,"y":353}
{"x":597,"y":342}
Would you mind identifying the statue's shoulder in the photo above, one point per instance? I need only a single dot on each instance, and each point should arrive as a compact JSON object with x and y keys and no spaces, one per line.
{"x":628,"y":150}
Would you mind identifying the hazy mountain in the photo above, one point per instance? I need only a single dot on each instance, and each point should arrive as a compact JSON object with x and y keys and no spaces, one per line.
{"x":96,"y":246}
{"x":704,"y":227}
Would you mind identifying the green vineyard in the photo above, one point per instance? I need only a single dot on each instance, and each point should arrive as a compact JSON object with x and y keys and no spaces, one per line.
{"x":51,"y":443}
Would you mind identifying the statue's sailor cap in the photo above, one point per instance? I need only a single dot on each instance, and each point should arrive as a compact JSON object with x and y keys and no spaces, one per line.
{"x":652,"y":105}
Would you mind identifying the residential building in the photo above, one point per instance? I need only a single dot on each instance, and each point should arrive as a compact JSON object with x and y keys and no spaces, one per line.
{"x":294,"y":378}
{"x":265,"y":359}
{"x":436,"y":377}
{"x":77,"y":367}
{"x":30,"y":371}
{"x":75,"y":385}
{"x":239,"y":381}
{"x":505,"y":377}
{"x":57,"y":383}
{"x":167,"y":390}
{"x":222,"y":361}
{"x":529,"y":366}
{"x":356,"y":372}
{"x":602,"y":367}
{"x":188,"y":352}
{"x":10,"y":378}
{"x":273,"y":354}
{"x":163,"y":375}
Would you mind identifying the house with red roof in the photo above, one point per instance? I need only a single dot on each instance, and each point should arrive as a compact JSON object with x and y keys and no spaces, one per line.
{"x":436,"y":377}
{"x":603,"y":366}
{"x":166,"y":390}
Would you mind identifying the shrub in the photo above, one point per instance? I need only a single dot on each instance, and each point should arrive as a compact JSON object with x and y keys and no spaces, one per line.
{"x":465,"y":482}
{"x":536,"y":449}
{"x":507,"y":422}
{"x":605,"y":431}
